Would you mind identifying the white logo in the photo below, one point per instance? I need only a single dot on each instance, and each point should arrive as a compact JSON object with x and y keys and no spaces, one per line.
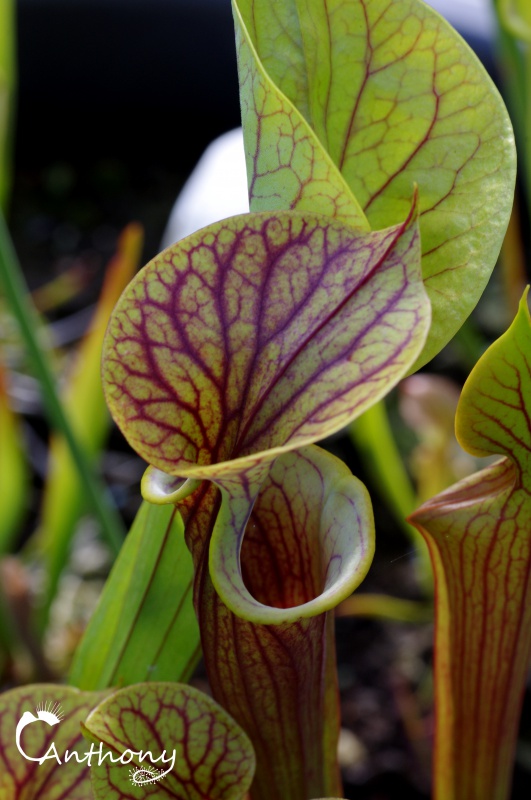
{"x":52,"y":714}
{"x":144,"y":775}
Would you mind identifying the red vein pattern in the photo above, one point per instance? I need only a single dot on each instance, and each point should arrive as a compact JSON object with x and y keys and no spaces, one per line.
{"x":286,"y":165}
{"x":391,"y":97}
{"x":279,"y":681}
{"x":213,"y":757}
{"x":323,"y":494}
{"x":258,"y":333}
{"x":244,"y":342}
{"x":24,"y":780}
{"x":479,"y":537}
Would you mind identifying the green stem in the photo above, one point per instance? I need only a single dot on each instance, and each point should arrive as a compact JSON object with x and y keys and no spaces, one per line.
{"x":15,"y":289}
{"x":381,"y":606}
{"x":7,"y":95}
{"x":514,"y":56}
{"x":372,"y":435}
{"x":527,"y":110}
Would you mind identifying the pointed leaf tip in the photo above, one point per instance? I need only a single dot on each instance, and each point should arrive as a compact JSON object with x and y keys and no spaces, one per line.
{"x":478,"y":535}
{"x":261,"y":334}
{"x":495,"y":405}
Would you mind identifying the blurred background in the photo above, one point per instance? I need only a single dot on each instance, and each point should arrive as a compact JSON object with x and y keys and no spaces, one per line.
{"x":116,"y":100}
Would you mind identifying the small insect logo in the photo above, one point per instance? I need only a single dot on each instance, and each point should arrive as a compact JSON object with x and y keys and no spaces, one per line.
{"x":144,"y":775}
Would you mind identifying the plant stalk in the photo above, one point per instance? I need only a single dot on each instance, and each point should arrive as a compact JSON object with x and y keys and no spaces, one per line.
{"x":14,"y":286}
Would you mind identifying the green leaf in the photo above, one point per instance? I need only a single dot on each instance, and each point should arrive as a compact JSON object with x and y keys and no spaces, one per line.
{"x":144,"y":628}
{"x":83,"y":401}
{"x":14,"y":286}
{"x":258,"y":335}
{"x":395,"y":98}
{"x":492,"y":416}
{"x":204,"y":754}
{"x":7,"y":86}
{"x":479,"y":537}
{"x":286,"y":165}
{"x":55,"y":778}
{"x":382,"y":606}
{"x":373,"y":438}
{"x":516,"y":17}
{"x":13,"y":469}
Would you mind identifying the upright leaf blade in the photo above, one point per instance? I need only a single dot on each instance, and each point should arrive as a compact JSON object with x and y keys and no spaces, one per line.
{"x":479,"y":537}
{"x":286,"y":165}
{"x":13,"y":283}
{"x":493,"y":415}
{"x":83,"y":401}
{"x":144,"y":628}
{"x":7,"y":87}
{"x":516,"y":16}
{"x":13,"y":469}
{"x":395,"y":97}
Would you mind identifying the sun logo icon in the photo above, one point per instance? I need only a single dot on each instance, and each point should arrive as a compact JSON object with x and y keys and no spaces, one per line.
{"x":144,"y":775}
{"x":50,"y":712}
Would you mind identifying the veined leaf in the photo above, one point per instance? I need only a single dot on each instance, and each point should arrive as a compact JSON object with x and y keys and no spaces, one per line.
{"x":55,"y":778}
{"x":244,"y":342}
{"x":135,"y":735}
{"x":144,"y":628}
{"x":479,"y":537}
{"x":258,"y":335}
{"x":203,"y":752}
{"x":394,"y":97}
{"x":64,"y":496}
{"x":328,"y":517}
{"x":308,"y":543}
{"x":492,"y":416}
{"x":286,"y":165}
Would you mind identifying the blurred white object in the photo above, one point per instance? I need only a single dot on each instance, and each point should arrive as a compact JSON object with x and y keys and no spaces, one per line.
{"x":470,"y":17}
{"x":217,"y":188}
